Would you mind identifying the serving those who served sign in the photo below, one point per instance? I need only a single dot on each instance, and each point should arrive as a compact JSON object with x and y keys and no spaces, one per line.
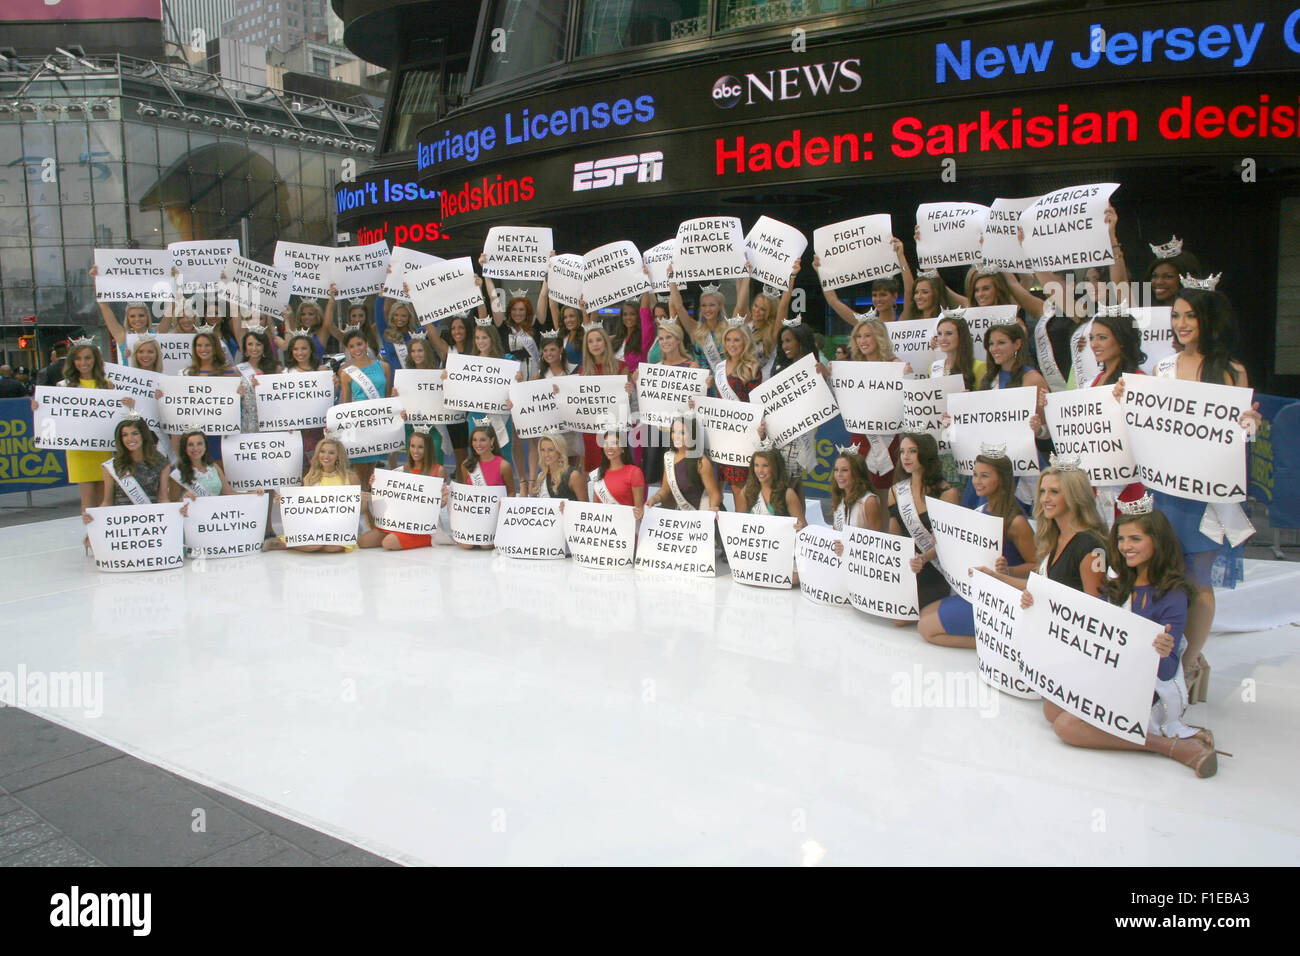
{"x":421,"y":392}
{"x":773,"y":247}
{"x":795,"y":401}
{"x":359,"y":270}
{"x":664,"y":392}
{"x":712,"y":247}
{"x":1066,"y":229}
{"x":176,"y":348}
{"x":760,"y":548}
{"x":594,"y":403}
{"x":477,"y":384}
{"x":870,"y":396}
{"x":1186,"y":436}
{"x":405,"y":502}
{"x":517,"y":253}
{"x":821,"y":577}
{"x":209,"y":404}
{"x":963,"y":540}
{"x":262,"y":461}
{"x":473,"y":513}
{"x":856,"y":250}
{"x":531,"y":528}
{"x":537,"y":408}
{"x":401,"y":263}
{"x":1089,"y":424}
{"x":730,"y":430}
{"x":996,"y":607}
{"x":225,"y":526}
{"x":1093,"y":659}
{"x":123,"y":275}
{"x":994,"y":415}
{"x":370,"y":427}
{"x":600,"y":535}
{"x":612,"y":273}
{"x":676,"y":541}
{"x":81,"y":419}
{"x":443,"y":289}
{"x":878,"y":574}
{"x":136,"y":537}
{"x":294,"y":399}
{"x":320,"y":516}
{"x":948,"y":233}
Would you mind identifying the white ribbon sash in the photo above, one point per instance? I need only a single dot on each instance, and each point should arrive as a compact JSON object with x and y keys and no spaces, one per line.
{"x":477,"y":478}
{"x":938,"y":368}
{"x":130,"y":487}
{"x":247,"y":371}
{"x":543,"y":491}
{"x":723,"y":386}
{"x":760,"y":506}
{"x":911,"y":518}
{"x":363,"y":381}
{"x":402,"y":352}
{"x":670,"y":476}
{"x":878,"y":460}
{"x":1167,"y":367}
{"x":709,"y":347}
{"x":522,"y":340}
{"x":837,"y":519}
{"x":1046,"y":358}
{"x":197,"y":489}
{"x":602,"y":493}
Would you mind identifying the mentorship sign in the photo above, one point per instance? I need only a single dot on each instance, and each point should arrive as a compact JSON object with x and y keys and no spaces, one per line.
{"x":320,"y":516}
{"x":855,"y":250}
{"x":263,"y":460}
{"x":676,"y":541}
{"x":878,"y":573}
{"x":531,"y":528}
{"x":870,"y":396}
{"x":994,"y":415}
{"x":294,"y":399}
{"x":225,"y":526}
{"x":730,"y":430}
{"x":760,"y":548}
{"x":600,"y":535}
{"x":1187,"y":437}
{"x":1089,"y":424}
{"x":76,"y":418}
{"x":1093,"y":659}
{"x":136,"y":537}
{"x":795,"y":401}
{"x":996,"y":607}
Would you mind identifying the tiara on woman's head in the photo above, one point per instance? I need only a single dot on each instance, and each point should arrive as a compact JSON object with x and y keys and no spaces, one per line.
{"x":866,"y":316}
{"x":710,"y":289}
{"x":483,"y":321}
{"x":1065,"y":462}
{"x":735,"y":322}
{"x":1142,"y":506}
{"x":993,"y":449}
{"x":551,"y":335}
{"x":985,"y":269}
{"x":1168,"y":250}
{"x":791,"y":323}
{"x":847,"y":450}
{"x":591,"y":326}
{"x":204,"y":329}
{"x":953,"y":314}
{"x":357,"y":303}
{"x":349,"y":329}
{"x":928,"y":274}
{"x":1208,"y":283}
{"x":314,"y":303}
{"x":420,"y":336}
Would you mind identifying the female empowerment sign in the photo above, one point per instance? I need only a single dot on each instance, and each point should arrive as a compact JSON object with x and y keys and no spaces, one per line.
{"x":405,"y":502}
{"x":795,"y":401}
{"x":136,"y":538}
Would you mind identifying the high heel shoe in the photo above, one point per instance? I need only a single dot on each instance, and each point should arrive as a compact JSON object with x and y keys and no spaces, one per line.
{"x":85,"y":543}
{"x":1204,"y":764}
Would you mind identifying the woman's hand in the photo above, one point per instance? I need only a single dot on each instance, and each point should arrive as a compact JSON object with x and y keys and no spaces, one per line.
{"x":444,"y":376}
{"x":762,"y":429}
{"x":510,"y":404}
{"x":334,"y":291}
{"x":628,"y":385}
{"x":519,"y":376}
{"x":35,"y":405}
{"x":86,"y":518}
{"x":157,"y":393}
{"x":1118,"y":390}
{"x":1164,"y":643}
{"x":1036,"y":423}
{"x":555,"y":389}
{"x":94,"y":271}
{"x":1251,"y":420}
{"x":916,"y":564}
{"x":817,"y":262}
{"x":1026,"y":599}
{"x":838,"y":548}
{"x":1001,"y":566}
{"x":638,"y":511}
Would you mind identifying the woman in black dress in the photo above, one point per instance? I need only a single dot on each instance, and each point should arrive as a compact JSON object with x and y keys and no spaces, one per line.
{"x":920,"y":474}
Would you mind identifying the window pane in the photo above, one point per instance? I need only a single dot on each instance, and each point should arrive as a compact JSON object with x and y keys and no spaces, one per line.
{"x":44,"y":222}
{"x":20,"y":301}
{"x":756,"y":13}
{"x":13,"y":172}
{"x":77,"y":261}
{"x":76,"y":166}
{"x":534,"y":37}
{"x":41,"y":162}
{"x":48,"y":263}
{"x":52,"y":305}
{"x":610,"y":25}
{"x":172,"y":145}
{"x":16,"y":268}
{"x":110,"y":225}
{"x":419,"y":102}
{"x":146,"y":227}
{"x":313,"y":170}
{"x":77,"y":224}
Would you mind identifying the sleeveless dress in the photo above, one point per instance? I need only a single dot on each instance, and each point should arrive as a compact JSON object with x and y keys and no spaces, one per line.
{"x":209,"y":480}
{"x":85,"y":465}
{"x":375,"y":372}
{"x":405,"y":539}
{"x":956,"y":613}
{"x":1064,"y":569}
{"x":148,"y":475}
{"x":492,"y":471}
{"x":946,"y":460}
{"x":737,"y":474}
{"x":689,"y":482}
{"x":931,"y":585}
{"x":592,"y":452}
{"x":560,"y":489}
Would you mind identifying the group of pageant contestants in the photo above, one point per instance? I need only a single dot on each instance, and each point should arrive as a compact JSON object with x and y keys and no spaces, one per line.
{"x":1155,"y":553}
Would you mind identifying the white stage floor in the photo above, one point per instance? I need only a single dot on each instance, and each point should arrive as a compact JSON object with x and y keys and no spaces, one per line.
{"x":445,"y":707}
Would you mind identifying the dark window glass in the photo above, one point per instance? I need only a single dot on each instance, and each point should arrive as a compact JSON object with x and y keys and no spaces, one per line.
{"x":110,"y":225}
{"x":41,"y":164}
{"x":52,"y":304}
{"x":78,"y":224}
{"x":47,"y":261}
{"x":533,"y":38}
{"x":611,"y":25}
{"x":16,"y":268}
{"x":77,"y":261}
{"x":13,"y":175}
{"x":45,"y":225}
{"x":418,"y":103}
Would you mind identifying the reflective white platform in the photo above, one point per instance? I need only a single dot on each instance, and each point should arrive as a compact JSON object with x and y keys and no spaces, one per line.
{"x":445,"y":707}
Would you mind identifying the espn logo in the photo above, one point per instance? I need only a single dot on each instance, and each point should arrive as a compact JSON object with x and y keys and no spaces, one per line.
{"x":602,"y":173}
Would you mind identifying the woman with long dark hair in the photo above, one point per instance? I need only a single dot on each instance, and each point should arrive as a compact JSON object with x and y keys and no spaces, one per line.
{"x":920,"y":475}
{"x":365,"y":378}
{"x":767,"y":490}
{"x":420,"y":460}
{"x":688,"y":474}
{"x":135,"y":474}
{"x":616,"y":480}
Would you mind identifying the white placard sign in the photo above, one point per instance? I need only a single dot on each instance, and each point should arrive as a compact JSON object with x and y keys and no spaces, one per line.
{"x":537,"y":408}
{"x":421,"y":392}
{"x":925,"y":402}
{"x":359,"y":271}
{"x":177,"y":349}
{"x":760,"y":548}
{"x":795,"y":401}
{"x":1155,"y":328}
{"x":517,"y":253}
{"x":263,"y":460}
{"x":256,"y":287}
{"x":1093,"y":659}
{"x":676,"y":541}
{"x":948,"y":233}
{"x":600,"y":535}
{"x":963,"y":539}
{"x":370,"y":427}
{"x":124,"y":275}
{"x":996,"y":607}
{"x":142,"y":385}
{"x":476,"y":384}
{"x":821,"y":576}
{"x":773,"y":247}
{"x":401,"y":264}
{"x":1001,"y":246}
{"x":594,"y":403}
{"x":207,"y":403}
{"x":405,"y":502}
{"x":287,"y":400}
{"x":443,"y":289}
{"x":202,"y":262}
{"x":136,"y":537}
{"x":76,"y":418}
{"x":663,"y":392}
{"x":657,"y":259}
{"x":320,"y":516}
{"x":981,"y":318}
{"x":911,"y":341}
{"x":855,"y":251}
{"x":531,"y":528}
{"x":310,"y":268}
{"x":564,"y":275}
{"x":473,"y":512}
{"x":225,"y":526}
{"x":1186,"y":436}
{"x":994,"y":415}
{"x":730,"y":430}
{"x":870,"y":396}
{"x":709,"y":248}
{"x":1088,"y":423}
{"x":1066,"y":229}
{"x":878,"y":574}
{"x":612,"y":273}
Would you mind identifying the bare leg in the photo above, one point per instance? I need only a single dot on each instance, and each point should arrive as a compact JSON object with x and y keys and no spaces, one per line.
{"x":1200,"y":617}
{"x":931,"y":629}
{"x":1051,"y":711}
{"x":373,"y":538}
{"x":736,"y":489}
{"x":391,"y":543}
{"x":1189,"y":751}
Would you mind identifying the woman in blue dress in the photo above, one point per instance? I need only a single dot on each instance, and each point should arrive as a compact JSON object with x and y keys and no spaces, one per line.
{"x":363,"y":379}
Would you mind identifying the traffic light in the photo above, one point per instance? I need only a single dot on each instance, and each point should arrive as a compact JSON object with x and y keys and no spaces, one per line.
{"x":24,"y":342}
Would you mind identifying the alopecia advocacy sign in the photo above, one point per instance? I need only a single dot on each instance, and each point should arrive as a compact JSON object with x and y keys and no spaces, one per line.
{"x":531,"y":528}
{"x":136,"y":538}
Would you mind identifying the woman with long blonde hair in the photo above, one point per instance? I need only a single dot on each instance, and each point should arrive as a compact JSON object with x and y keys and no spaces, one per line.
{"x":329,"y":468}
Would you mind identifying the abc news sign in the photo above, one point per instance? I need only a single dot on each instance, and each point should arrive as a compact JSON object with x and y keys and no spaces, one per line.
{"x":789,"y":83}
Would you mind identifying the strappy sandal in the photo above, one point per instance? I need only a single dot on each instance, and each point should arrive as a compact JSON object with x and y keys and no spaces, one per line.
{"x":1204,"y":764}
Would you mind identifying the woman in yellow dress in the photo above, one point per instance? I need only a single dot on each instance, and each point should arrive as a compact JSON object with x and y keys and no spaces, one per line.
{"x":85,"y":369}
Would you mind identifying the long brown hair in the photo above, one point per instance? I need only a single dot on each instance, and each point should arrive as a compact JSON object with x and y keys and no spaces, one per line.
{"x":1016,"y":333}
{"x":186,"y":464}
{"x":964,"y":361}
{"x":72,"y":377}
{"x":780,"y":481}
{"x":218,"y":354}
{"x":1167,"y":571}
{"x":858,"y":487}
{"x":472,"y":460}
{"x":427,"y":461}
{"x":927,"y":453}
{"x":1002,"y":503}
{"x":122,"y":463}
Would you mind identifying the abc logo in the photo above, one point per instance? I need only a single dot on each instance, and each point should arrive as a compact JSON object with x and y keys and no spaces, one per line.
{"x":726,"y":92}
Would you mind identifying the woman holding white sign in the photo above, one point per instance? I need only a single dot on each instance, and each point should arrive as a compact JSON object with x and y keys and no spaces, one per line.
{"x":485,"y":468}
{"x":671,"y":343}
{"x":136,"y":321}
{"x":767,"y":490}
{"x":208,"y":359}
{"x":568,"y":322}
{"x":420,"y":460}
{"x":869,"y":342}
{"x":796,"y":341}
{"x":919,"y":475}
{"x":518,"y":322}
{"x":84,"y":368}
{"x":598,"y":358}
{"x":309,"y":318}
{"x":300,"y":356}
{"x":557,"y":478}
{"x":712,"y":320}
{"x":134,"y":475}
{"x":688,"y":474}
{"x":884,"y":291}
{"x":931,"y":297}
{"x":357,"y":318}
{"x":366,"y":379}
{"x":733,"y":379}
{"x":259,"y":359}
{"x":329,"y":469}
{"x":852,"y":503}
{"x":396,"y":321}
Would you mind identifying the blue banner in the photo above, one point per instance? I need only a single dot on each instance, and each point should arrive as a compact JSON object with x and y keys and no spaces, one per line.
{"x":23,"y":467}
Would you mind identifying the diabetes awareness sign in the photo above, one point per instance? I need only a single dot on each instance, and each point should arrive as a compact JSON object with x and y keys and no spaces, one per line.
{"x":1089,"y":657}
{"x":136,"y":537}
{"x":795,"y":401}
{"x":1187,"y":438}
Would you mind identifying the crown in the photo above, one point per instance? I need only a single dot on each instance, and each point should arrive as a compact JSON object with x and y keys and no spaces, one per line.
{"x":518,"y":293}
{"x":590,"y":326}
{"x":204,"y":329}
{"x":253,"y":326}
{"x":142,"y":337}
{"x":771,"y":291}
{"x":1170,"y":249}
{"x":1112,"y":311}
{"x":1208,"y":283}
{"x":669,"y":325}
{"x":349,"y":329}
{"x":985,"y":269}
{"x":713,"y":289}
{"x":847,"y":450}
{"x":928,"y":274}
{"x":1142,"y":506}
{"x":766,"y":444}
{"x":866,"y":316}
{"x":735,"y":322}
{"x":791,"y":323}
{"x":314,"y":303}
{"x":662,"y":297}
{"x":84,"y":340}
{"x":1064,"y":462}
{"x":483,"y":322}
{"x":357,"y":303}
{"x":993,"y":450}
{"x":551,"y":335}
{"x":953,"y":314}
{"x":420,"y":336}
{"x":131,"y":415}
